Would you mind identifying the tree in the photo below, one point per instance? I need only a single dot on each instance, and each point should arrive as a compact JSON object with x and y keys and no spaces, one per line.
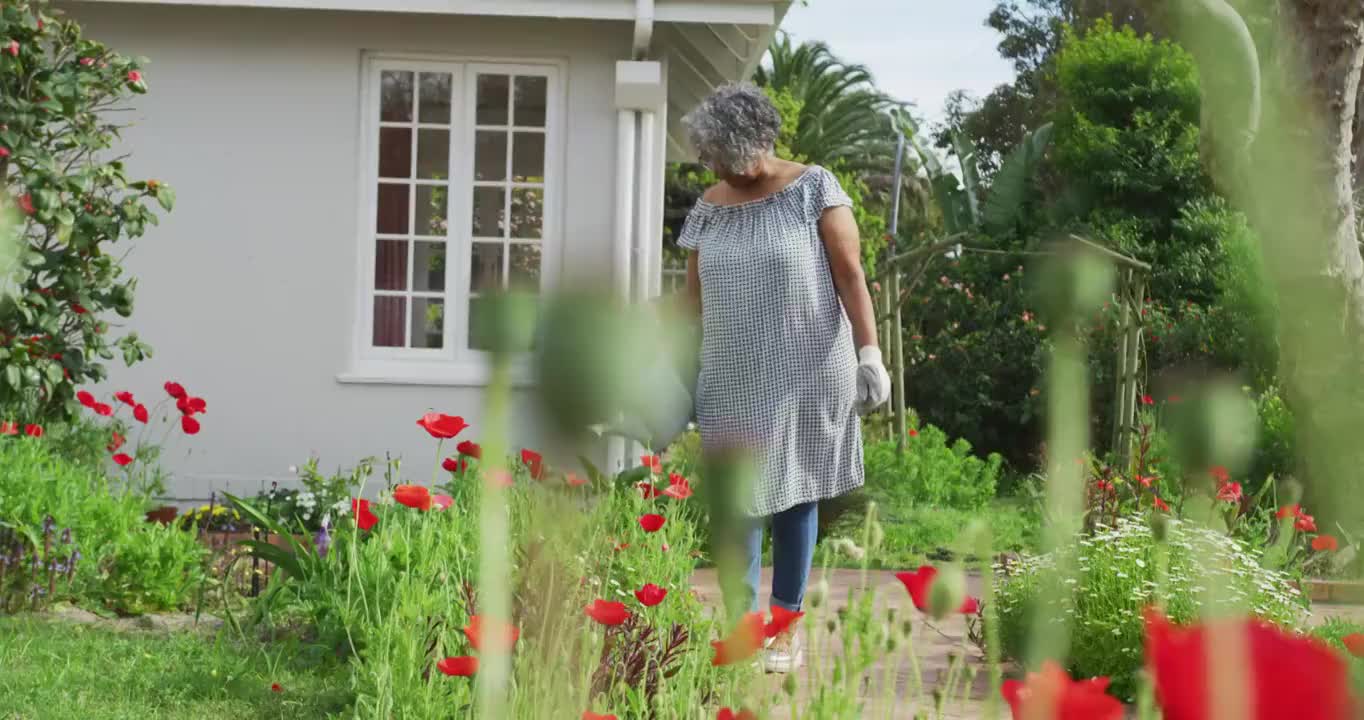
{"x":74,"y":202}
{"x":1283,"y":145}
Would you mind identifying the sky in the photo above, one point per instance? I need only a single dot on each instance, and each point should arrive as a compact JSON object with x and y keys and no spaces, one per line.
{"x":918,"y":50}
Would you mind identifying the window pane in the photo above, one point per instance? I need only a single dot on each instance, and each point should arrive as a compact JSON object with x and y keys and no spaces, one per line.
{"x":492,"y":99}
{"x":428,"y":323}
{"x":432,"y":209}
{"x":530,"y":101}
{"x":527,"y":213}
{"x":435,"y":98}
{"x":428,"y":273}
{"x":392,"y":202}
{"x":528,"y":157}
{"x":490,"y":155}
{"x":489,"y":213}
{"x":477,"y":322}
{"x":525,"y":267}
{"x":433,"y":154}
{"x":390,"y":321}
{"x":485,"y":267}
{"x":395,"y":96}
{"x":390,"y":265}
{"x":395,"y":152}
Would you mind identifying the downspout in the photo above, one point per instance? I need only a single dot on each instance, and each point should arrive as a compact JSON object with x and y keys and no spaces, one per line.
{"x":628,"y":240}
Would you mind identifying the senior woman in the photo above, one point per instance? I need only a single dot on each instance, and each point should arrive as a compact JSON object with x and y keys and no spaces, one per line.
{"x":789,"y":355}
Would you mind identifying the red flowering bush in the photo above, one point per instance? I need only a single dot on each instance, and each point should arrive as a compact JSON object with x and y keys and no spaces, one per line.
{"x":74,"y":202}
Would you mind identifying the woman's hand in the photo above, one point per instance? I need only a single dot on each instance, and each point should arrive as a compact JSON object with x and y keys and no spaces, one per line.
{"x":873,"y":382}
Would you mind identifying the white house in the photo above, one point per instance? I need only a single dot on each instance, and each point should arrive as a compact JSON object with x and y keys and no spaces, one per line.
{"x":353,"y":175}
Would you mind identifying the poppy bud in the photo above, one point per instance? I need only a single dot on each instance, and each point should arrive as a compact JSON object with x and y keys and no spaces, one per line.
{"x":876,"y":535}
{"x":815,"y":596}
{"x":831,"y":625}
{"x":947,"y":593}
{"x":788,"y":685}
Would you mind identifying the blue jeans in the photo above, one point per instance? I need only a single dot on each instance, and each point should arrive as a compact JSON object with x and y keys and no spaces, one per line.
{"x":794,"y":532}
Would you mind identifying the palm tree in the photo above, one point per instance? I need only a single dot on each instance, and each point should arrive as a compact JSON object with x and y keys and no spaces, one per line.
{"x":844,"y":120}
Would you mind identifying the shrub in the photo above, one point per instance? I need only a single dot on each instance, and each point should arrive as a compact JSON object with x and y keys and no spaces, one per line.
{"x":1121,"y":571}
{"x":1333,"y":632}
{"x":931,"y":472}
{"x":126,"y":563}
{"x":76,"y":203}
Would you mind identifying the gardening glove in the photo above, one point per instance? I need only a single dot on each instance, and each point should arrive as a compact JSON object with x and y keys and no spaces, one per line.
{"x":873,"y":382}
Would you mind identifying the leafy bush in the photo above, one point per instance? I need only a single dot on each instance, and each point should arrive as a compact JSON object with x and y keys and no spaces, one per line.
{"x":76,"y":201}
{"x":126,"y":563}
{"x":931,"y":472}
{"x":1121,"y":571}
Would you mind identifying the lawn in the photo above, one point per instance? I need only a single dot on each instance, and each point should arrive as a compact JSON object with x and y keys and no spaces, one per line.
{"x":60,"y":671}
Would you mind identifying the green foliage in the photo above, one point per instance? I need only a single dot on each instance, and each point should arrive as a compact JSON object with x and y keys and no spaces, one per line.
{"x":67,"y":671}
{"x":1276,"y":441}
{"x":933,"y":471}
{"x":1014,"y":183}
{"x":1333,"y":631}
{"x":76,"y":201}
{"x":127,"y":564}
{"x":1120,"y":572}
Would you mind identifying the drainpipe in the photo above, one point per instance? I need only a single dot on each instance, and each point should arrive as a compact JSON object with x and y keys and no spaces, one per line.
{"x":638,"y":92}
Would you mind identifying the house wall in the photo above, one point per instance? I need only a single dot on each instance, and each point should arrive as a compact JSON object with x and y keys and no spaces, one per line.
{"x":247,"y":290}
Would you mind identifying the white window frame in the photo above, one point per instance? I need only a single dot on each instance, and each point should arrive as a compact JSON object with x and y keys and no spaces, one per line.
{"x":454,"y":363}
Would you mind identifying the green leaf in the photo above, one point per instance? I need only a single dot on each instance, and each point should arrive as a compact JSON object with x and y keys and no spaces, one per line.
{"x":279,"y":557}
{"x":65,"y":217}
{"x":166,"y":197}
{"x":12,"y":376}
{"x":1013,"y":183}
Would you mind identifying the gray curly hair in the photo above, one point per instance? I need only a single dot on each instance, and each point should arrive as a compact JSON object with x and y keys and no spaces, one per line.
{"x":733,"y":127}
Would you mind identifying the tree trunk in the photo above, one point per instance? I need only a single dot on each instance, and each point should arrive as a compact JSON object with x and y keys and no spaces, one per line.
{"x":1289,"y":162}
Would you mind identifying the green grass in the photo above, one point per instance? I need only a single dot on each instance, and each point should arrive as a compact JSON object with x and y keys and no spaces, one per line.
{"x":61,"y":671}
{"x":918,"y":534}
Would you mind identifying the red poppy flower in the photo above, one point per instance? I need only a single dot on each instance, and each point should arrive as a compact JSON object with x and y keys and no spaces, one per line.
{"x":1147,"y":400}
{"x":196,"y":405}
{"x":533,"y":462}
{"x":574,"y":480}
{"x":140,"y":413}
{"x":102,"y":409}
{"x":124,"y":397}
{"x":1159,"y":504}
{"x":1146,"y":481}
{"x":85,"y":398}
{"x":26,"y":200}
{"x":1305,"y":523}
{"x":743,"y":641}
{"x":618,"y":546}
{"x":1066,"y":699}
{"x":1229,"y":492}
{"x":1354,"y":643}
{"x":679,"y":488}
{"x":1219,"y":474}
{"x":469,"y":448}
{"x":442,"y":426}
{"x":651,"y":522}
{"x":1288,"y":510}
{"x":189,"y":425}
{"x":1323,"y":543}
{"x":500,"y":478}
{"x":123,"y":460}
{"x":13,"y":48}
{"x":175,"y":390}
{"x":589,"y":715}
{"x":782,"y":619}
{"x":913,"y":432}
{"x":919,"y":584}
{"x":115,"y":442}
{"x":653,"y":462}
{"x":78,"y":308}
{"x":134,"y":76}
{"x":364,"y":518}
{"x":413,"y":496}
{"x":276,"y":687}
{"x":9,"y":427}
{"x":728,"y":714}
{"x":450,"y":465}
{"x":608,"y":612}
{"x":650,"y":595}
{"x":33,"y":431}
{"x":481,"y":629}
{"x":1288,"y":676}
{"x":442,"y":502}
{"x":463,"y":666}
{"x":648,"y":490}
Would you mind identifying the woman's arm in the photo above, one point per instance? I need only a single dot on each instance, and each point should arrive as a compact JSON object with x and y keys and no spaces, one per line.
{"x":838,"y":230}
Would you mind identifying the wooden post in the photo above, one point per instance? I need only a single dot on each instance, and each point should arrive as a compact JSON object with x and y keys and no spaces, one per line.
{"x":1136,"y":292}
{"x":1120,"y":399}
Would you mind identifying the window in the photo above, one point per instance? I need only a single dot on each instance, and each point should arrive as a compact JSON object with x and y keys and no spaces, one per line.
{"x":459,"y":181}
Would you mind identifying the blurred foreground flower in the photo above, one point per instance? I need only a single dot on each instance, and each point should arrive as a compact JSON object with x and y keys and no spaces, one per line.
{"x":742,"y":643}
{"x":1052,"y":695}
{"x":1286,"y":675}
{"x":922,"y":585}
{"x":463,"y":666}
{"x":481,"y":629}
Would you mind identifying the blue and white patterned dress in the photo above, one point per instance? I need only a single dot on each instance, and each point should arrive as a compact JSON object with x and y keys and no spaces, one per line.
{"x":778,"y":366}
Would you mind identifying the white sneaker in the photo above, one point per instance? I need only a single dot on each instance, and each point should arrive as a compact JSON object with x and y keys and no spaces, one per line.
{"x":783,"y":653}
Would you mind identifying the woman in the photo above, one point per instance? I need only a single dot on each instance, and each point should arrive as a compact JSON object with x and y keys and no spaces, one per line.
{"x":788,"y":351}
